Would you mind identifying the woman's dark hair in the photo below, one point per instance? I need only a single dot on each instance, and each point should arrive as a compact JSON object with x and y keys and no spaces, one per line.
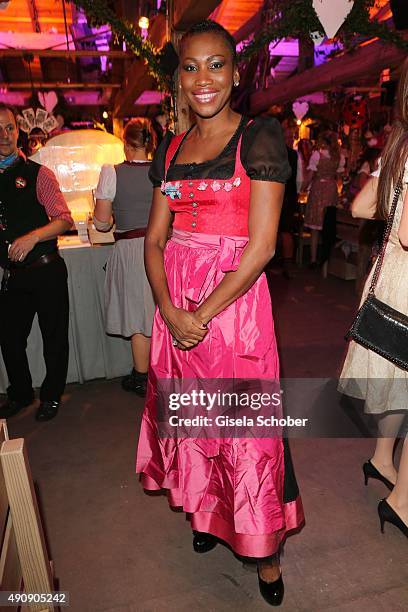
{"x":138,"y":133}
{"x":211,"y":27}
{"x":394,"y":155}
{"x":329,"y":139}
{"x":370,"y":155}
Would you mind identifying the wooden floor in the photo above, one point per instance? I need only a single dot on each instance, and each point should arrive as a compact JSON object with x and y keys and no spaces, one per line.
{"x":116,"y":549}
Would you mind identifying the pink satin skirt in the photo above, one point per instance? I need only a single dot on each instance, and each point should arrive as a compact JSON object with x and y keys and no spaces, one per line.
{"x":232,"y":488}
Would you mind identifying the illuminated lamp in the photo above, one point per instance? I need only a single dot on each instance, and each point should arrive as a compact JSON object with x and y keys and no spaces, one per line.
{"x":143,"y":23}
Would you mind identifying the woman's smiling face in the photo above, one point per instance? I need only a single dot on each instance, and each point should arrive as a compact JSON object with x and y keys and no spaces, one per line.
{"x":206,"y":73}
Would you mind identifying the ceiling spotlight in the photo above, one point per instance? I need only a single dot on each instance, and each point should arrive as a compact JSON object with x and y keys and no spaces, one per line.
{"x":105,"y":114}
{"x":143,"y":23}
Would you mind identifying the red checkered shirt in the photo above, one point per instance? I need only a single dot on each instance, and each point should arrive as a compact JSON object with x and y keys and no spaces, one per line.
{"x":50,"y":196}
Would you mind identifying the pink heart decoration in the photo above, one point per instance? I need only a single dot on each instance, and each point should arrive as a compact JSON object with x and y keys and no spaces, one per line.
{"x":300,"y":109}
{"x":48,"y":99}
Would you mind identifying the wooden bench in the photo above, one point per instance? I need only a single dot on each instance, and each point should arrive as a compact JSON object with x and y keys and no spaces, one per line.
{"x":24,"y":562}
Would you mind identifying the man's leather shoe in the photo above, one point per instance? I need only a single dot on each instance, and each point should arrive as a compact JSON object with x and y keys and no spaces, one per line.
{"x":203,"y":542}
{"x":12,"y":407}
{"x":47,"y":410}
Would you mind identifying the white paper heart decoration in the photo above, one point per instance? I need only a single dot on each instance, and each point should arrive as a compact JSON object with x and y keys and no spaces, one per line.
{"x":317,"y":38}
{"x":48,"y":99}
{"x":300,"y":109}
{"x":332,"y":14}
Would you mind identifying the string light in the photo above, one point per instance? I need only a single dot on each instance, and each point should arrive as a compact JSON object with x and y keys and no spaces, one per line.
{"x":143,"y":23}
{"x":105,"y":114}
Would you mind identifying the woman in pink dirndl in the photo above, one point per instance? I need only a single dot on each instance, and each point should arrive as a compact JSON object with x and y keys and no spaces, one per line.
{"x":222,"y":184}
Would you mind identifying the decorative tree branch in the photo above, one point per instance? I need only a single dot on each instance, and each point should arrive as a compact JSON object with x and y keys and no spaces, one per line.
{"x":297,"y":18}
{"x":290,"y":19}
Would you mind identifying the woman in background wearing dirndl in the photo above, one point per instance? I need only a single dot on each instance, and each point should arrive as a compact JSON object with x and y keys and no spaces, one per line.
{"x":367,"y":375}
{"x":224,"y":182}
{"x":325,"y":165}
{"x":123,"y":196}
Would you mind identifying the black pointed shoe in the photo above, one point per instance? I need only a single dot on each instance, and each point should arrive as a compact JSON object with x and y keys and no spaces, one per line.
{"x":203,"y":542}
{"x":47,"y":410}
{"x":370,"y":471}
{"x":386,"y":513}
{"x":272,"y":592}
{"x":12,"y":407}
{"x":135,"y":382}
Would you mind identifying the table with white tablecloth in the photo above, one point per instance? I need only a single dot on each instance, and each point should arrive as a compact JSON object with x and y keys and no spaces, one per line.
{"x":92,"y":353}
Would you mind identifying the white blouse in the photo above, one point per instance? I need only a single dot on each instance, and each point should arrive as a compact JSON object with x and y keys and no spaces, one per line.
{"x":106,"y":188}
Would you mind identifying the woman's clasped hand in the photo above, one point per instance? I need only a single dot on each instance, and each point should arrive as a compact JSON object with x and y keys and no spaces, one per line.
{"x":185,"y":327}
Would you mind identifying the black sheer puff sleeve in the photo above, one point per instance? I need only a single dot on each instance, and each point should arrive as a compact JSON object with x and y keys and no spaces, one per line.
{"x":263,"y":151}
{"x":157,"y":167}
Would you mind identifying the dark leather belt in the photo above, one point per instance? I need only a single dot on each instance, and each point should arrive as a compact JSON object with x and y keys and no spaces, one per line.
{"x":134,"y":233}
{"x":41,"y":261}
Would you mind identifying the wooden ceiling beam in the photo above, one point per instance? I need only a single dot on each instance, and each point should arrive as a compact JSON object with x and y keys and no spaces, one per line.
{"x":45,"y":19}
{"x":188,"y":12}
{"x":366,"y":60}
{"x":64,"y":53}
{"x":138,"y":79}
{"x":59,"y":85}
{"x":32,"y":9}
{"x":249,"y":27}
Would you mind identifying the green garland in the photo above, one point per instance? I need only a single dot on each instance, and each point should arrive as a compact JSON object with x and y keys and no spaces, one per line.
{"x":298,"y":19}
{"x":290,"y":19}
{"x":99,"y":13}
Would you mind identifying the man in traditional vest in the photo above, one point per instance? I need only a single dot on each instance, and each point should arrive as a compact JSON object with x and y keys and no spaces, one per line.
{"x":33,"y":213}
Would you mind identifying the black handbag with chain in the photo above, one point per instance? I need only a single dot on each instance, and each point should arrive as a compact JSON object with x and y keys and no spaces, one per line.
{"x":377,"y":326}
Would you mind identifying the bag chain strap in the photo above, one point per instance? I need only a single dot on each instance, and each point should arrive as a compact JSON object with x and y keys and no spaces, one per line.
{"x":386,"y":236}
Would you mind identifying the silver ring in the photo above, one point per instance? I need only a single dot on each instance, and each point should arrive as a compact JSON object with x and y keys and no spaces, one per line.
{"x":21,"y":257}
{"x":174,"y":342}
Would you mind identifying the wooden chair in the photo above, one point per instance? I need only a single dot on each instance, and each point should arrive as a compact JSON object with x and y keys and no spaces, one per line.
{"x":24,"y":562}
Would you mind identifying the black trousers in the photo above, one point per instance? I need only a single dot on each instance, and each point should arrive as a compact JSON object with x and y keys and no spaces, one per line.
{"x":44,"y":291}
